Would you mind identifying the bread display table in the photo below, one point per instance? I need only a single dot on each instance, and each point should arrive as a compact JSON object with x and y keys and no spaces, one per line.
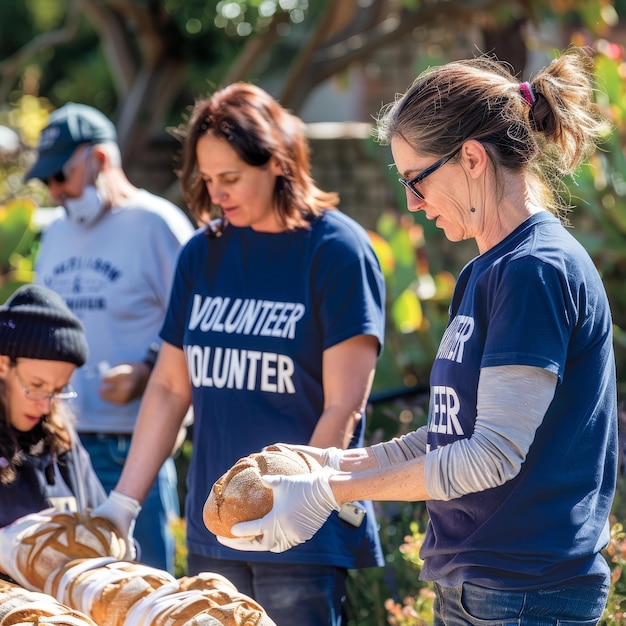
{"x":69,"y":569}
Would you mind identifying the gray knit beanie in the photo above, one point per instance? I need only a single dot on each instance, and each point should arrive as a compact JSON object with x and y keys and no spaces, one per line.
{"x":35,"y":323}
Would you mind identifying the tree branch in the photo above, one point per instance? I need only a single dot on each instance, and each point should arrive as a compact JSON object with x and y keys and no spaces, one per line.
{"x":10,"y":67}
{"x":121,"y":61}
{"x":336,"y":12}
{"x":332,"y":59}
{"x":253,"y":51}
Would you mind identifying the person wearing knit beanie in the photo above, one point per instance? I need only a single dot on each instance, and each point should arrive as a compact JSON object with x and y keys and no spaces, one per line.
{"x":36,"y":323}
{"x":42,"y":462}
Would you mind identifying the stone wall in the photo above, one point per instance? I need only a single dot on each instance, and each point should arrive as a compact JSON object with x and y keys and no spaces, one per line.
{"x":345,"y":159}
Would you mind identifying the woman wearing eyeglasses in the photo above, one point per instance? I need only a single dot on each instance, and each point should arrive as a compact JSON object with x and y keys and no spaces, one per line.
{"x":42,"y":463}
{"x":518,"y":460}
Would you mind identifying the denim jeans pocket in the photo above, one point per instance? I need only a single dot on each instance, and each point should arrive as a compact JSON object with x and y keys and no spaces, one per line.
{"x":576,"y":605}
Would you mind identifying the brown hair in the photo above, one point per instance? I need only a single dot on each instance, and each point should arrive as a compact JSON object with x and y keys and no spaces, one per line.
{"x":479,"y":99}
{"x":51,"y":436}
{"x":257,"y":127}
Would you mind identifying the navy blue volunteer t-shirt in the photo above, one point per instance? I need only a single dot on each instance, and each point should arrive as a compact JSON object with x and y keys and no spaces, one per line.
{"x":253,"y":312}
{"x":535,"y":299}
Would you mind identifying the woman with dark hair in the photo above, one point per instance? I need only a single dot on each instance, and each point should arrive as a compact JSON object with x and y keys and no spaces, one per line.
{"x":42,"y":463}
{"x":275,"y":323}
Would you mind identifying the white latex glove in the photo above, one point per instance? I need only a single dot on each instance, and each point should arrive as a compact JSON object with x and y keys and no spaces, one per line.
{"x":330,"y":457}
{"x":121,"y":511}
{"x":302,"y":503}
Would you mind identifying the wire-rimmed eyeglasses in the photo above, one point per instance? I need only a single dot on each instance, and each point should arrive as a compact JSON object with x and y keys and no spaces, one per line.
{"x":416,"y":180}
{"x":37,"y":393}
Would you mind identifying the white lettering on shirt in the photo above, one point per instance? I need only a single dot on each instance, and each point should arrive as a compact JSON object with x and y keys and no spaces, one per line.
{"x":444,"y":411}
{"x":232,"y":368}
{"x":264,"y":318}
{"x":457,"y":334}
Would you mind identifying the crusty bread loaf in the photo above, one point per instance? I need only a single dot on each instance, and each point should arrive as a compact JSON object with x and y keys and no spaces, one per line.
{"x":236,"y":614}
{"x":19,"y":607}
{"x":106,"y":589}
{"x":240,"y":496}
{"x":102,"y":590}
{"x":206,"y":581}
{"x":60,"y":539}
{"x":170,"y":607}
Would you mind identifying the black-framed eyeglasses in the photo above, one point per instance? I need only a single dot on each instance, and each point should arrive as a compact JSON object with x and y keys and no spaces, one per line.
{"x":416,"y":180}
{"x":37,"y":393}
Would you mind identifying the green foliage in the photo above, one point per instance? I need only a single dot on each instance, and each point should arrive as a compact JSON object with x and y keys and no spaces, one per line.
{"x":375,"y":596}
{"x":417,"y":301}
{"x":17,"y":249}
{"x":245,"y":17}
{"x":178,"y":527}
{"x":19,"y":233}
{"x":615,"y":553}
{"x":598,"y":192}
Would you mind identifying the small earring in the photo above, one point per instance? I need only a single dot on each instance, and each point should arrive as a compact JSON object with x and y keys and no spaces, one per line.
{"x":473,"y":210}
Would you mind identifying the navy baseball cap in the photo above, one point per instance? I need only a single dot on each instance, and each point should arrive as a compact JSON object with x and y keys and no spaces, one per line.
{"x":69,"y":127}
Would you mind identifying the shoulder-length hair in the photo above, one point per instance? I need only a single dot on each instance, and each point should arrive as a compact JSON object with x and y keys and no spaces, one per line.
{"x":257,"y":127}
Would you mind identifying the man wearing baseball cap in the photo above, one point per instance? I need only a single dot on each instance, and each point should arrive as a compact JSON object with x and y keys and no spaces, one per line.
{"x":111,"y":257}
{"x":69,"y":127}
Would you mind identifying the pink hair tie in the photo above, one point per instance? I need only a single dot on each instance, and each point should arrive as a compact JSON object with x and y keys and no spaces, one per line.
{"x":528,"y":93}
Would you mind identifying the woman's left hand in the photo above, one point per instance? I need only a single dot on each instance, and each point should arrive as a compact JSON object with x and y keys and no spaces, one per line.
{"x":302,"y":503}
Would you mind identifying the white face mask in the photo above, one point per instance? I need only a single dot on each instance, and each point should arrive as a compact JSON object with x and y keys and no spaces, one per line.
{"x":87,"y":208}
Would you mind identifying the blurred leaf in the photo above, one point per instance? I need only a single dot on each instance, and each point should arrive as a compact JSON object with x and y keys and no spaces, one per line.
{"x":16,"y":234}
{"x":407,"y":312}
{"x":387,"y":224}
{"x":406,"y":266}
{"x":444,"y":282}
{"x":384,"y":253}
{"x":608,"y":74}
{"x":7,"y":289}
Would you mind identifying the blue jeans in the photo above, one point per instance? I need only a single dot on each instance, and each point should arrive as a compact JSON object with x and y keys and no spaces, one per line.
{"x":292,"y":594}
{"x":569,"y":605}
{"x":152,"y":530}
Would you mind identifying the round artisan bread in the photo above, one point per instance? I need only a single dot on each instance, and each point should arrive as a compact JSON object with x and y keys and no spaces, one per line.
{"x":63,"y":538}
{"x":240,"y":496}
